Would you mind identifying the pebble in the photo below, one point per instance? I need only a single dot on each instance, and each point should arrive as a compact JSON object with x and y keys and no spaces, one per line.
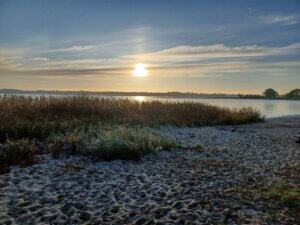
{"x":84,"y":216}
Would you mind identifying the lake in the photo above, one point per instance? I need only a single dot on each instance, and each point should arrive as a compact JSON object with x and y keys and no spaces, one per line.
{"x":268,"y":108}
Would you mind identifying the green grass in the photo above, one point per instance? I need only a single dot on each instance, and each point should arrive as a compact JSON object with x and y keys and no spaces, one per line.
{"x":104,"y":142}
{"x":110,"y":142}
{"x":284,"y":194}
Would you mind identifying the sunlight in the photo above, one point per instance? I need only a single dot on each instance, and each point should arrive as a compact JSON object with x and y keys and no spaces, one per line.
{"x":139,"y":98}
{"x":140,"y":70}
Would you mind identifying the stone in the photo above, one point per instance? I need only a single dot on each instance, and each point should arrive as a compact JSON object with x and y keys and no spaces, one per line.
{"x":84,"y":216}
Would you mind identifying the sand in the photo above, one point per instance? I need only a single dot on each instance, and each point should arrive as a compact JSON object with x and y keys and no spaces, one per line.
{"x":188,"y":186}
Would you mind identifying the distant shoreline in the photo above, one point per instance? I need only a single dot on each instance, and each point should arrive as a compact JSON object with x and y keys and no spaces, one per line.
{"x":146,"y":94}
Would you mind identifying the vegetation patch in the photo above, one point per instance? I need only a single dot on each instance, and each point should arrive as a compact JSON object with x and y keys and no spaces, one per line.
{"x":106,"y":142}
{"x":280,"y":199}
{"x":104,"y":128}
{"x":17,"y":152}
{"x":28,"y":117}
{"x":110,"y":142}
{"x":285,"y":194}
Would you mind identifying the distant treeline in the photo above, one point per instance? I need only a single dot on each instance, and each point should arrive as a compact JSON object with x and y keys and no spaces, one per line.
{"x":270,"y":93}
{"x":267,"y":94}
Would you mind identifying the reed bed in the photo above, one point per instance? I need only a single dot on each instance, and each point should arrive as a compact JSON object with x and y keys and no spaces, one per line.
{"x":37,"y":117}
{"x":27,"y":123}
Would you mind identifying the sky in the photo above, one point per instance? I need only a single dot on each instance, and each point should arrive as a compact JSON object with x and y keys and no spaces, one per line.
{"x":211,"y":46}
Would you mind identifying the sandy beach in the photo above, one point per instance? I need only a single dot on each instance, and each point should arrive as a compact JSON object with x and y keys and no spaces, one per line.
{"x":204,"y":183}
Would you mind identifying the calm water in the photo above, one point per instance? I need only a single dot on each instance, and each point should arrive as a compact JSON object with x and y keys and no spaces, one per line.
{"x":268,"y":108}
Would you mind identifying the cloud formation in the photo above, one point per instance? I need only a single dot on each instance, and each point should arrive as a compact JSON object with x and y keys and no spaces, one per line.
{"x":216,"y":51}
{"x":178,"y":61}
{"x":281,"y":19}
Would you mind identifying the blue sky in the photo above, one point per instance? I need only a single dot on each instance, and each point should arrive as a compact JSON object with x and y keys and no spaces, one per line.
{"x":200,"y":46}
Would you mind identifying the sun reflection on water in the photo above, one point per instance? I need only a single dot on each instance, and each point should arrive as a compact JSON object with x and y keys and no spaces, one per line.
{"x":139,"y":98}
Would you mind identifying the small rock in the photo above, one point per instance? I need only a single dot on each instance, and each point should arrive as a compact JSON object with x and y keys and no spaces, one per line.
{"x":84,"y":216}
{"x":251,"y":179}
{"x":114,"y":209}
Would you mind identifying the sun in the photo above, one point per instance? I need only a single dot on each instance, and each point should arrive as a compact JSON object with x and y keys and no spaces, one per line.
{"x":140,"y":70}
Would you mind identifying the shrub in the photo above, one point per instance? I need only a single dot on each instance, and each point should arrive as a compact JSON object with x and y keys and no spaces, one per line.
{"x":17,"y":152}
{"x":56,"y":146}
{"x":130,"y":143}
{"x":110,"y":142}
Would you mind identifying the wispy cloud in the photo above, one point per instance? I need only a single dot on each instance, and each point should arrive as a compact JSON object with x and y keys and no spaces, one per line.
{"x":76,"y":48}
{"x":281,"y":19}
{"x":9,"y":63}
{"x":40,"y":59}
{"x":217,"y":51}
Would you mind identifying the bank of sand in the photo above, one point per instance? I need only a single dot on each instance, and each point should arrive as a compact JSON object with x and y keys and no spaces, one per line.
{"x":190,"y":186}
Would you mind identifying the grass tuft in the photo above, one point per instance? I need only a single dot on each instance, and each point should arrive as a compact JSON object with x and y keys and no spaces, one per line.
{"x":285,"y":194}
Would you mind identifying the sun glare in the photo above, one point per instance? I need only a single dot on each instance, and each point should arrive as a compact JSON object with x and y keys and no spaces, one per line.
{"x":140,"y":70}
{"x":139,"y":98}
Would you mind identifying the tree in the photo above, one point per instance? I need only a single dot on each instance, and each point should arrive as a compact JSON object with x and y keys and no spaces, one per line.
{"x":270,"y":93}
{"x":293,"y":93}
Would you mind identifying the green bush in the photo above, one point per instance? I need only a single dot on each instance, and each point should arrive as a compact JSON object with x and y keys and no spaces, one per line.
{"x":130,"y":143}
{"x":110,"y":142}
